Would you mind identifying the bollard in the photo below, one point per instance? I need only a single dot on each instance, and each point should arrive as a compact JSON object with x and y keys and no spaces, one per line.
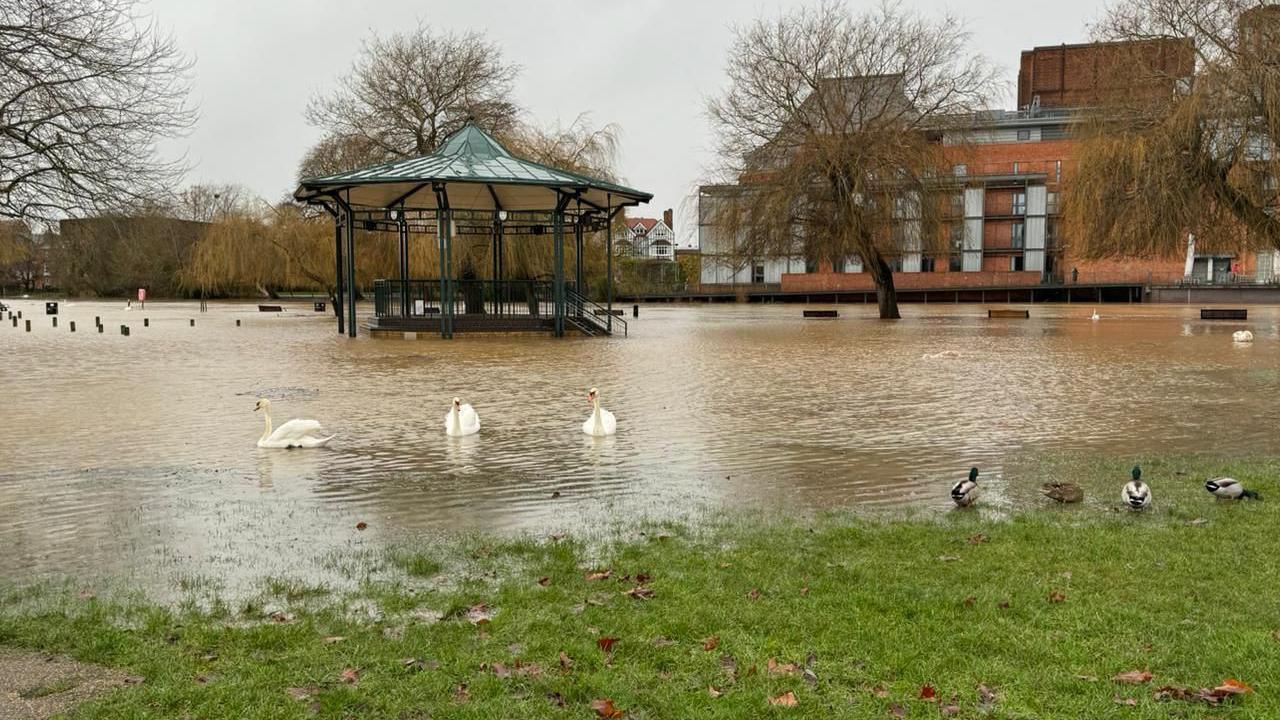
{"x":193,"y":322}
{"x":124,"y":330}
{"x":14,"y":318}
{"x":97,"y":319}
{"x":55,"y":321}
{"x":100,"y":329}
{"x":73,"y":326}
{"x":146,"y":322}
{"x":28,"y":325}
{"x":237,"y":323}
{"x":635,"y":311}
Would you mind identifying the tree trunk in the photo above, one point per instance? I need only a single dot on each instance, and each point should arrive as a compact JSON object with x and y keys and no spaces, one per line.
{"x":886,"y":294}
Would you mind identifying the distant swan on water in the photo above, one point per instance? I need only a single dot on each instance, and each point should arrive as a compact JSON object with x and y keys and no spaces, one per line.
{"x":1095,"y":316}
{"x":461,"y":420}
{"x":293,"y":434}
{"x":942,"y":355}
{"x":601,"y":422}
{"x":1242,"y":336}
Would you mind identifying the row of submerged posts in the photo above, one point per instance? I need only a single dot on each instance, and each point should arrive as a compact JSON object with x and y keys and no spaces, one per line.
{"x":51,"y":310}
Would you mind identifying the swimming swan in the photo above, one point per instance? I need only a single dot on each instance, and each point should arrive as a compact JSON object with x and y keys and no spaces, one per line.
{"x":293,"y":434}
{"x":601,"y":422}
{"x":461,"y":420}
{"x":1242,"y":336}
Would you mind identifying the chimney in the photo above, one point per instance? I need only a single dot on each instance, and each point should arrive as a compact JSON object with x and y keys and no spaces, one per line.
{"x":666,"y":218}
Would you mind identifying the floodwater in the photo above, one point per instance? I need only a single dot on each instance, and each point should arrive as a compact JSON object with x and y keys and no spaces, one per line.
{"x":134,"y":456}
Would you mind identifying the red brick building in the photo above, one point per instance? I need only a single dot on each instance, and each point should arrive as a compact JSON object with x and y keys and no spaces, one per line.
{"x":1009,"y":176}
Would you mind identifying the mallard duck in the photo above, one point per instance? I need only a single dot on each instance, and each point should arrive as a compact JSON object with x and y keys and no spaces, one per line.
{"x":1063,"y":492}
{"x":1229,"y":489}
{"x":1136,"y":494}
{"x":965,"y":492}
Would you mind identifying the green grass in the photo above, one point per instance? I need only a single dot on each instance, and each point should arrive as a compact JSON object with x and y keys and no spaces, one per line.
{"x":876,"y":607}
{"x":52,"y":688}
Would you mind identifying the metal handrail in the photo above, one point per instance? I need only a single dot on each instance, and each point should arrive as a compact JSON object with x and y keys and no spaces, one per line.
{"x":580,"y":307}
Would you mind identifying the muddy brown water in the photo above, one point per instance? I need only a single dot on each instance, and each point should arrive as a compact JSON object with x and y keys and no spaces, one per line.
{"x":134,"y":457}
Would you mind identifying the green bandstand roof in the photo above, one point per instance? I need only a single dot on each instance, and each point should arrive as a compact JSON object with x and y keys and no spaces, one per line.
{"x":476,"y":173}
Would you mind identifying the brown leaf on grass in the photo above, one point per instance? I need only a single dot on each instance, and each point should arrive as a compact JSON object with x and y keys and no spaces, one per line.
{"x":516,"y":668}
{"x":928,"y":693}
{"x":1231,"y":686}
{"x":640,"y":592}
{"x":950,"y":709}
{"x":1004,"y":605}
{"x":970,"y":601}
{"x":804,"y":591}
{"x":604,"y":708}
{"x":730,"y":667}
{"x":986,"y":697}
{"x":977,"y":539}
{"x":350,"y":676}
{"x":556,"y":699}
{"x":724,"y":565}
{"x":418,"y":664}
{"x":362,"y":525}
{"x":897,"y":710}
{"x":753,"y":594}
{"x":303,"y":693}
{"x":334,"y":639}
{"x":479,"y":614}
{"x":879,"y":691}
{"x":810,"y":676}
{"x":713,"y":691}
{"x":85,"y":595}
{"x":460,"y":693}
{"x":1275,"y":635}
{"x":1133,"y":677}
{"x":1130,"y":702}
{"x":606,"y":643}
{"x":556,"y":537}
{"x":282,"y":617}
{"x":642,"y":578}
{"x":786,"y":699}
{"x":711,"y":643}
{"x":544,"y":581}
{"x":566,"y":663}
{"x":776,"y":668}
{"x":1057,"y":596}
{"x":599,"y":575}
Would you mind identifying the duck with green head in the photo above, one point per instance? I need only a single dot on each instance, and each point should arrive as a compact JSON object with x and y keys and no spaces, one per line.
{"x":1136,"y":494}
{"x":965,"y":492}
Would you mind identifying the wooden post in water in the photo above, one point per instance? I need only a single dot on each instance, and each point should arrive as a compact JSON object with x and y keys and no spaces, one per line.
{"x":124,"y":330}
{"x":55,"y":321}
{"x":73,"y":326}
{"x":193,"y":322}
{"x":146,"y":322}
{"x":237,"y":323}
{"x":100,"y":329}
{"x":28,"y":322}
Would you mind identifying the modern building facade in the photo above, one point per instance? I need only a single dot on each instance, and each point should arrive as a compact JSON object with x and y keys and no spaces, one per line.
{"x":1002,"y":225}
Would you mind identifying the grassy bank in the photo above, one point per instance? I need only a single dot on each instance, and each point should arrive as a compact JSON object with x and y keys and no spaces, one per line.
{"x":1029,"y":616}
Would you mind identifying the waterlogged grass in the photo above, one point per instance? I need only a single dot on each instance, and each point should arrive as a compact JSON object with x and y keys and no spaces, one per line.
{"x":852,"y":616}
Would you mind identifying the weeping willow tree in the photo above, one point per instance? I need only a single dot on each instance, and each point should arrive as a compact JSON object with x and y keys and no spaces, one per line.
{"x":1193,"y":156}
{"x":833,"y":126}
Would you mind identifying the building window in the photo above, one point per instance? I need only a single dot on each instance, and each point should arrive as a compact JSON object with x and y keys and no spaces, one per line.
{"x":1017,"y":232}
{"x":1020,"y":203}
{"x":927,"y":263}
{"x":1024,"y":135}
{"x":960,"y":170}
{"x":1057,"y":169}
{"x":810,"y":265}
{"x":1016,"y":264}
{"x":1051,"y":203}
{"x":956,"y":258}
{"x":757,"y":274}
{"x":1015,"y":168}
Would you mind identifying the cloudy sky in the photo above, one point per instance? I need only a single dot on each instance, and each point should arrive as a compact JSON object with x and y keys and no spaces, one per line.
{"x":646,"y":65}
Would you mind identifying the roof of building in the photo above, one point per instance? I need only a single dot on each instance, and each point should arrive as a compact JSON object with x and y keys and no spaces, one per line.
{"x":475,"y":172}
{"x":646,"y":224}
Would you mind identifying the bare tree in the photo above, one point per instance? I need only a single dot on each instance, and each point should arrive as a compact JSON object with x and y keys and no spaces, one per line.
{"x":407,"y":92}
{"x":335,"y":153}
{"x":1198,"y":157}
{"x":207,"y":203}
{"x":833,"y":124}
{"x":87,"y":88}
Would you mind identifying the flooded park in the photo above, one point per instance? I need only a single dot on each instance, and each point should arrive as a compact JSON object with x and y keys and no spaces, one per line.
{"x":134,"y":456}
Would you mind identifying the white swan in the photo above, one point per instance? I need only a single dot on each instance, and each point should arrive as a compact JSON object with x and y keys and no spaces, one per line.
{"x":1242,"y":336}
{"x":1095,"y":315}
{"x":461,"y":420}
{"x":601,"y":422}
{"x":293,"y":434}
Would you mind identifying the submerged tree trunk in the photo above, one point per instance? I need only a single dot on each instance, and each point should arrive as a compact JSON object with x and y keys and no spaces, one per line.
{"x":886,"y":294}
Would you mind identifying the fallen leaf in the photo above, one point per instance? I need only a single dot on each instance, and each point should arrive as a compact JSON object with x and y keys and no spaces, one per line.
{"x":970,"y":601}
{"x":85,"y":595}
{"x":544,"y":581}
{"x":134,"y":680}
{"x":879,"y":691}
{"x":642,"y":578}
{"x":786,"y":699}
{"x":977,"y":538}
{"x":951,"y":709}
{"x":350,"y":676}
{"x":334,"y":639}
{"x":726,"y":565}
{"x":810,"y":676}
{"x":479,"y":614}
{"x":605,"y":709}
{"x":203,"y":679}
{"x":416,"y":664}
{"x":1131,"y":702}
{"x":556,"y":699}
{"x":753,"y":594}
{"x":776,"y":668}
{"x":1057,"y":596}
{"x":460,"y":693}
{"x":985,"y":695}
{"x":711,"y":643}
{"x":606,"y":643}
{"x":1004,"y":605}
{"x":897,"y":710}
{"x":928,"y":693}
{"x":1231,"y":686}
{"x":1087,"y":678}
{"x":804,"y":591}
{"x":566,"y":663}
{"x":362,"y":525}
{"x":1133,"y":677}
{"x":599,"y":575}
{"x":1199,"y":521}
{"x":640,"y":592}
{"x":713,"y":692}
{"x":556,"y":537}
{"x":1275,"y":635}
{"x":948,"y":558}
{"x":282,"y":617}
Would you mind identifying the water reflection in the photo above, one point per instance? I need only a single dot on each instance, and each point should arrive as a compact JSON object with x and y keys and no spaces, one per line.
{"x":117,"y":451}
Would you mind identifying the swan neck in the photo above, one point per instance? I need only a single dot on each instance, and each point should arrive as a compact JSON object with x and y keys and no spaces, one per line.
{"x":266,"y":421}
{"x":455,"y":420}
{"x":595,"y":413}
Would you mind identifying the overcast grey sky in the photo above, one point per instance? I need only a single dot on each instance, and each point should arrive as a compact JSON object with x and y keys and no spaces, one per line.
{"x":646,"y":65}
